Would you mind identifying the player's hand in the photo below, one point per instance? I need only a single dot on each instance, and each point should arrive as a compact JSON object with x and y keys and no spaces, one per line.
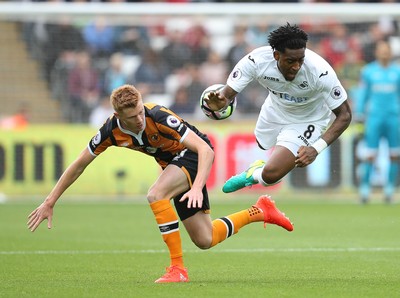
{"x":305,"y":156}
{"x":215,"y":101}
{"x":41,"y":213}
{"x":194,"y":198}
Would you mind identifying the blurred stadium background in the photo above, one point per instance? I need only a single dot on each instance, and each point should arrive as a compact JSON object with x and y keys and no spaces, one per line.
{"x":59,"y":62}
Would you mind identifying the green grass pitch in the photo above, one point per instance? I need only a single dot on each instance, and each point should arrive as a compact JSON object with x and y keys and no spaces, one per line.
{"x":114,"y":249}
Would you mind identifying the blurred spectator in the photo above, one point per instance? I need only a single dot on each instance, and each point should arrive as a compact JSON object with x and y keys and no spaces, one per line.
{"x":59,"y":80}
{"x":176,"y":53}
{"x":62,"y":38}
{"x":132,"y":40}
{"x":373,"y":35}
{"x":99,"y":37}
{"x":198,"y":40}
{"x":214,"y":70}
{"x":83,"y":89}
{"x":251,"y":98}
{"x":183,"y":104}
{"x":196,"y":86}
{"x":349,"y":71}
{"x":19,"y":120}
{"x":152,"y":72}
{"x":239,"y":48}
{"x":181,"y":77}
{"x":257,"y":34}
{"x":317,"y":29}
{"x":335,"y":47}
{"x":101,"y":113}
{"x":49,"y":41}
{"x":114,"y":75}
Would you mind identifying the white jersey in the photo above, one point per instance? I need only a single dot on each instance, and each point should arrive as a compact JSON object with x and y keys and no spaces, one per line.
{"x":310,"y":97}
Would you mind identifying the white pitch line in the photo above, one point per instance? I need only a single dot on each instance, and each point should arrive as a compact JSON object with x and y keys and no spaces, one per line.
{"x":238,"y":250}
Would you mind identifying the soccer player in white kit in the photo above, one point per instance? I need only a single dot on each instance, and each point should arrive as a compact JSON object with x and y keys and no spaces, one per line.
{"x":304,"y":91}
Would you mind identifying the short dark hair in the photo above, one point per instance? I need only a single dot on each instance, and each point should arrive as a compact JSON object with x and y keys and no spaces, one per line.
{"x":288,"y":37}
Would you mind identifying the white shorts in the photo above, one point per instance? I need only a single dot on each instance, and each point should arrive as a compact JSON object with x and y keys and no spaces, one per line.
{"x":290,"y":136}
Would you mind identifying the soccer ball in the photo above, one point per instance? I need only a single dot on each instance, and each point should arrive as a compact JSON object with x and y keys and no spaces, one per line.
{"x":216,"y":115}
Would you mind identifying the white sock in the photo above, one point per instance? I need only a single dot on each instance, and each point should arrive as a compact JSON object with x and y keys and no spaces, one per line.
{"x":257,"y":176}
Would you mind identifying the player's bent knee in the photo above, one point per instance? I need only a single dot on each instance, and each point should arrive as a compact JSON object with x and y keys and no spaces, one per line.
{"x":156,"y":194}
{"x":202,"y":244}
{"x":153,"y":196}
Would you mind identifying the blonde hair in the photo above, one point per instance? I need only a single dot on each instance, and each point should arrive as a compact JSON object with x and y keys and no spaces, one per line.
{"x":125,"y":96}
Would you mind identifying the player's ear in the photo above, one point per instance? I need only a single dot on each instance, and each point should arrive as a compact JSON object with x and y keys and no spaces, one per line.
{"x":276,"y":55}
{"x":116,"y":115}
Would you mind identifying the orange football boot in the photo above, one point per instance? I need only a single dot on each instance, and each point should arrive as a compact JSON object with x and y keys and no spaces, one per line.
{"x":174,"y":274}
{"x":272,"y":214}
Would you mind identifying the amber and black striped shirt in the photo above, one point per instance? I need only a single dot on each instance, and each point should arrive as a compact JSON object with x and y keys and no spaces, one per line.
{"x":162,"y":137}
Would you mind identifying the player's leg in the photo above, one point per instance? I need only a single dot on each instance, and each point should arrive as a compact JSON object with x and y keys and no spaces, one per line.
{"x":285,"y":140}
{"x":390,"y":186}
{"x":289,"y":140}
{"x":206,"y":233}
{"x":280,"y":163}
{"x":170,"y":183}
{"x":372,"y":136}
{"x":393,"y":138}
{"x":366,"y":170}
{"x":197,"y":221}
{"x":267,"y":132}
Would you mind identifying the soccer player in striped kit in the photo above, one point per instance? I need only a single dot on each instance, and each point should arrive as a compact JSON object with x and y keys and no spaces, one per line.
{"x":186,"y":156}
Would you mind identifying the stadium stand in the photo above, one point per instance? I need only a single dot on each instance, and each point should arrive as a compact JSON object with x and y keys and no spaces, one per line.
{"x":26,"y":86}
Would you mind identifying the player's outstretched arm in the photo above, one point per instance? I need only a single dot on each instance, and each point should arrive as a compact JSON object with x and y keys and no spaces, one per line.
{"x":45,"y":210}
{"x":205,"y":154}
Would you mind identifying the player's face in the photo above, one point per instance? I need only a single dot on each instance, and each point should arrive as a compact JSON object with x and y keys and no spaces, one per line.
{"x":290,"y":62}
{"x":383,"y":52}
{"x":133,"y":119}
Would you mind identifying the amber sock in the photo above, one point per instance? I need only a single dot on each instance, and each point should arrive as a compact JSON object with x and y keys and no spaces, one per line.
{"x":227,"y":226}
{"x":168,"y":224}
